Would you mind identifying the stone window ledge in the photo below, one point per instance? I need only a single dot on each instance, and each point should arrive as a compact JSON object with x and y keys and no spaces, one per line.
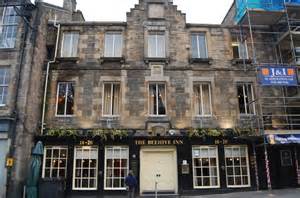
{"x":67,"y":59}
{"x":159,"y":60}
{"x":112,"y":59}
{"x":238,"y":61}
{"x":201,"y":60}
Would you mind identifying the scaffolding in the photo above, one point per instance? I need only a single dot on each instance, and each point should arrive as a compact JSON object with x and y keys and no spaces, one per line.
{"x":272,"y":27}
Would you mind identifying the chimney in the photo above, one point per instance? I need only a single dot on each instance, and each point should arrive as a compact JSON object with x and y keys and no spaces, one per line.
{"x":70,"y":5}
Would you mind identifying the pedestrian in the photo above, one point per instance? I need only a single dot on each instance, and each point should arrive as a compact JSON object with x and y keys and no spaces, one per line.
{"x":131,"y":183}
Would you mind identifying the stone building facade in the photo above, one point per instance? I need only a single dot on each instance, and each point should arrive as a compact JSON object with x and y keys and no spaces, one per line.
{"x":22,"y":52}
{"x":173,"y":102}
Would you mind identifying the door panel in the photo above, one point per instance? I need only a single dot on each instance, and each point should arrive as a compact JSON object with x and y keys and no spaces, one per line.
{"x":3,"y":171}
{"x":158,"y":166}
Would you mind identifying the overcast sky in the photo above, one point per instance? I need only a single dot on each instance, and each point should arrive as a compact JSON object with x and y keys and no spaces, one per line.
{"x":197,"y":11}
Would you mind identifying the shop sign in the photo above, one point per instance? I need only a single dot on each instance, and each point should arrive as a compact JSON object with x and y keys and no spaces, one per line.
{"x":86,"y":143}
{"x":278,"y":76}
{"x":283,"y":139}
{"x":158,"y":142}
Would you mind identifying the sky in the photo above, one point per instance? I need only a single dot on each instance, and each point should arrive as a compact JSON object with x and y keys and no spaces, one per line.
{"x":197,"y":11}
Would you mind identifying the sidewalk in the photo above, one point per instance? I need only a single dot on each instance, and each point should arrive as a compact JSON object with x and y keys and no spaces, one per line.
{"x":283,"y":193}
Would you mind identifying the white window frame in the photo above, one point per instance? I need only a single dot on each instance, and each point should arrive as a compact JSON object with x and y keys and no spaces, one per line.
{"x":199,"y":55}
{"x":2,"y":26}
{"x":105,"y":166}
{"x":114,"y":34}
{"x":4,"y":86}
{"x":239,"y":44}
{"x":156,"y":34}
{"x":66,"y":101}
{"x":70,"y":50}
{"x":247,"y":164}
{"x":217,"y":162}
{"x":201,"y":95}
{"x":52,"y":158}
{"x":245,"y":100}
{"x":74,"y":168}
{"x":111,"y":99}
{"x":149,"y":102}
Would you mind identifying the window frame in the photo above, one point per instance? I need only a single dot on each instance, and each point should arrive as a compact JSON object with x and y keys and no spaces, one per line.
{"x":217,"y":163}
{"x":156,"y":34}
{"x":200,"y":84}
{"x":105,"y":166}
{"x":70,"y":50}
{"x":247,"y":164}
{"x":112,"y":84}
{"x":149,"y":102}
{"x":74,"y":169}
{"x":66,"y":101}
{"x":238,"y":44}
{"x":3,"y":25}
{"x":52,"y":158}
{"x":5,"y":86}
{"x":198,"y":34}
{"x":252,"y":104}
{"x":113,"y":44}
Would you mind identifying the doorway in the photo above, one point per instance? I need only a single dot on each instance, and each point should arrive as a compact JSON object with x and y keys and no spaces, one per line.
{"x":158,"y":170}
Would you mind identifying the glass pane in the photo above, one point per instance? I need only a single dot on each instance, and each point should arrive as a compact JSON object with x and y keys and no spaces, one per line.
{"x":85,"y":183}
{"x":197,"y":162}
{"x":195,"y":53}
{"x":213,"y":172}
{"x":66,"y":46}
{"x":62,"y":173}
{"x":109,"y":182}
{"x":197,"y":102}
{"x":116,"y":99}
{"x":205,"y":172}
{"x":118,"y":45}
{"x":70,"y":99}
{"x":92,"y":183}
{"x":47,"y":173}
{"x":152,"y":99}
{"x":238,"y":181}
{"x":161,"y":45}
{"x":61,"y":100}
{"x":230,"y":181}
{"x":243,"y":50}
{"x":108,"y":45}
{"x":75,"y":40}
{"x":198,"y":181}
{"x":205,"y":162}
{"x":206,"y":99}
{"x":161,"y":100}
{"x":241,"y":99}
{"x":107,"y":99}
{"x":245,"y":180}
{"x":202,"y":46}
{"x":204,"y":152}
{"x":198,"y":172}
{"x":214,"y":181}
{"x":152,"y":46}
{"x":206,"y":181}
{"x":229,"y":171}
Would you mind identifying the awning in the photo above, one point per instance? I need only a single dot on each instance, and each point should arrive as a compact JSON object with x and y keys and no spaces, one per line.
{"x":283,"y":139}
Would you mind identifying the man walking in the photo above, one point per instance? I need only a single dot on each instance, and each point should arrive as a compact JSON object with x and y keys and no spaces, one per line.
{"x":131,"y":183}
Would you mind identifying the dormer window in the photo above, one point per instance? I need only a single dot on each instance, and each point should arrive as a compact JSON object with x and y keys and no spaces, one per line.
{"x":156,"y":45}
{"x":113,"y":44}
{"x":70,"y":45}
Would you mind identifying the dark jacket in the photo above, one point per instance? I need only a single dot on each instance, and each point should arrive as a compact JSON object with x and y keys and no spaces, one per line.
{"x":131,"y":181}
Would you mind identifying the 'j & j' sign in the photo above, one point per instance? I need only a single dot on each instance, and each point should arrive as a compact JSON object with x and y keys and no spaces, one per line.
{"x":280,"y":76}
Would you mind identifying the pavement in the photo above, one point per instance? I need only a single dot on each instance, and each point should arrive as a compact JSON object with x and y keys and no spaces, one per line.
{"x":283,"y":193}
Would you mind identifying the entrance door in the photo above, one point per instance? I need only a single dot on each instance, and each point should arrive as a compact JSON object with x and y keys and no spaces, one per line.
{"x":3,"y":171}
{"x":287,"y":168}
{"x":158,"y":170}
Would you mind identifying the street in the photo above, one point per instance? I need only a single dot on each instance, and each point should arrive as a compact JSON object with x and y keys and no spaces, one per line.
{"x":288,"y":193}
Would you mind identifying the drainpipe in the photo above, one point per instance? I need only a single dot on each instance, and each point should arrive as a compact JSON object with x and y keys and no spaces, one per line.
{"x":47,"y":76}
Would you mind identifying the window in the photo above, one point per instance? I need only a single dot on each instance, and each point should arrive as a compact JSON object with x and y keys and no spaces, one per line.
{"x":113,"y":45}
{"x":205,"y":167}
{"x":8,"y":28}
{"x":239,"y":50}
{"x":157,"y":99}
{"x":202,"y":95}
{"x":156,"y":45}
{"x":65,"y":99}
{"x":55,"y":162}
{"x":4,"y":81}
{"x":237,"y":166}
{"x":85,"y":168}
{"x":246,"y":98}
{"x":112,"y":99}
{"x":116,"y":167}
{"x":70,"y":44}
{"x":199,"y":46}
{"x":286,"y":158}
